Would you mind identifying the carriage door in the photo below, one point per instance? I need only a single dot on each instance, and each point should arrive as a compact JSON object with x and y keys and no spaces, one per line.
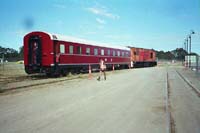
{"x":34,"y":51}
{"x":56,"y":53}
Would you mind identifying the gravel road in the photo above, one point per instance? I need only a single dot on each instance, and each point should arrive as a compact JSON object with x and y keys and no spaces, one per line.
{"x":128,"y":101}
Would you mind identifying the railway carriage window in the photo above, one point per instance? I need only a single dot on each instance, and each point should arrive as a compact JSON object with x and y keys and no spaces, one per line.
{"x":118,"y":53}
{"x":108,"y":52}
{"x":95,"y":51}
{"x":79,"y":51}
{"x":102,"y":51}
{"x":87,"y":51}
{"x":113,"y":53}
{"x":62,"y":48}
{"x":71,"y":49}
{"x":127,"y":54}
{"x":122,"y":54}
{"x":134,"y":53}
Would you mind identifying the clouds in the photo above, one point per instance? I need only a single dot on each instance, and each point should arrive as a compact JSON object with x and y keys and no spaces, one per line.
{"x":100,"y":21}
{"x":103,"y":12}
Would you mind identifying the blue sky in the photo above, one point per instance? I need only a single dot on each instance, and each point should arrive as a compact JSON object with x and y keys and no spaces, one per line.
{"x":157,"y":24}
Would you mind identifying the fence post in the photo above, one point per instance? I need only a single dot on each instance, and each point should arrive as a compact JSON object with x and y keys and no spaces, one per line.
{"x":113,"y":67}
{"x":90,"y":72}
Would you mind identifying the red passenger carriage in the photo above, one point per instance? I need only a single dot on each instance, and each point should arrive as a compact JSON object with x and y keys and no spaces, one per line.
{"x":55,"y":54}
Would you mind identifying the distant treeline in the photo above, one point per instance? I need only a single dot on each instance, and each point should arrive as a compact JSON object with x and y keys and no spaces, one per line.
{"x":177,"y":54}
{"x":13,"y":55}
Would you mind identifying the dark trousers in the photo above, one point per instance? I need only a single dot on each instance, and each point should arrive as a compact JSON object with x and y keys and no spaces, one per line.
{"x":100,"y":73}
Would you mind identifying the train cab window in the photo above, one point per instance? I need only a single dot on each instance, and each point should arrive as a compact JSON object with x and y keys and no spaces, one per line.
{"x":113,"y":53}
{"x":87,"y":51}
{"x":102,"y":51}
{"x":135,"y":53}
{"x":62,"y":48}
{"x":71,"y":49}
{"x":118,"y":53}
{"x":79,"y":51}
{"x":108,"y":52}
{"x":151,"y":55}
{"x":95,"y":51}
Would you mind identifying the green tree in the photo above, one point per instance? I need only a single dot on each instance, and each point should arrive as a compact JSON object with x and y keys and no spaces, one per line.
{"x":21,"y":52}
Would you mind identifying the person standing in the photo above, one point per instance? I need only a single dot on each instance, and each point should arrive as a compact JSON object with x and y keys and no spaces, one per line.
{"x":102,"y":69}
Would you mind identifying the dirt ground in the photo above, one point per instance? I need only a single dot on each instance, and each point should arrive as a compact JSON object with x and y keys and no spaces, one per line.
{"x":131,"y":100}
{"x":13,"y":77}
{"x":12,"y":69}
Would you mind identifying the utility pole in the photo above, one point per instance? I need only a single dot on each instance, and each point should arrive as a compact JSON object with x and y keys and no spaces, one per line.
{"x":189,"y":51}
{"x":197,"y":63}
{"x":187,"y":45}
{"x":186,"y":57}
{"x":184,"y":47}
{"x":190,"y":46}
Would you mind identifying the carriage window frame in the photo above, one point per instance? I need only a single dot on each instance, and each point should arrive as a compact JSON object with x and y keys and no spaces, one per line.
{"x":102,"y":51}
{"x":95,"y":51}
{"x":79,"y":49}
{"x":62,"y":48}
{"x":114,"y":53}
{"x":122,"y":54}
{"x":71,"y":49}
{"x":118,"y":53}
{"x":87,"y":51}
{"x":127,"y":55}
{"x":108,"y":52}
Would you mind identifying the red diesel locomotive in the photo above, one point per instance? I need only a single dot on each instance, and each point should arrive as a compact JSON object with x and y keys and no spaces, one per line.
{"x":55,"y":54}
{"x":141,"y":57}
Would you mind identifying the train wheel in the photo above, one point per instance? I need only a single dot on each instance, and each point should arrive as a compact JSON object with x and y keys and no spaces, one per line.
{"x":48,"y":74}
{"x":64,"y":72}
